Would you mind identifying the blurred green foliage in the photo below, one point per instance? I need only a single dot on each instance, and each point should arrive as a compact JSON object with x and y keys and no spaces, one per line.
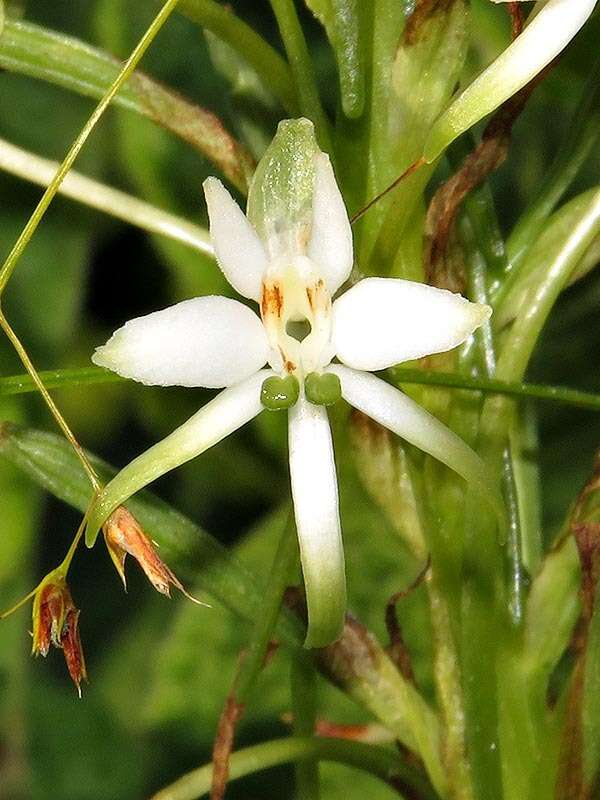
{"x":160,"y":671}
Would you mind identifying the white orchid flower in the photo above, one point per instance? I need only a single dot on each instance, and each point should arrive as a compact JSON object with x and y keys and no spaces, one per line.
{"x":290,"y":257}
{"x":549,"y":29}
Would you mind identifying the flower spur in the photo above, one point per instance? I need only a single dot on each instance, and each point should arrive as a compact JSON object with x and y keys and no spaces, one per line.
{"x":290,"y":256}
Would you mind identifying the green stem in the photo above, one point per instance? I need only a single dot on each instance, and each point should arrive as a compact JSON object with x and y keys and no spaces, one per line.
{"x":380,"y":762}
{"x":90,"y":376}
{"x":104,"y":198}
{"x":265,"y":60}
{"x":304,"y":704}
{"x":497,"y":386}
{"x":302,"y":69}
{"x":478,"y":269}
{"x":481,"y":596}
{"x":50,"y":193}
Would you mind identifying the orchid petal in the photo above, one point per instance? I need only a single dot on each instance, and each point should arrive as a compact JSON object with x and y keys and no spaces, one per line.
{"x":207,"y":341}
{"x":238,"y":248}
{"x":315,"y":494}
{"x":281,"y":192}
{"x":401,"y":415}
{"x":229,"y":410}
{"x":549,"y":30}
{"x":330,"y":243}
{"x":384,"y":321}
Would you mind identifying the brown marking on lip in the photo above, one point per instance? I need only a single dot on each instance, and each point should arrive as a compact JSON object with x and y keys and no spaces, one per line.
{"x":310,"y":295}
{"x":289,"y":366}
{"x":272,"y":300}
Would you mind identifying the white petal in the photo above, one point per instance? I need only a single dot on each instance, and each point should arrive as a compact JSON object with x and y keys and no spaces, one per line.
{"x":384,"y":321}
{"x":229,"y":410}
{"x":315,"y":494}
{"x":401,"y":415}
{"x":238,"y":249}
{"x":207,"y":341}
{"x":330,"y":244}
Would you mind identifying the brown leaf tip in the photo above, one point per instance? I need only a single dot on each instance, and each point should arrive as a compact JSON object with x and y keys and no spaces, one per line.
{"x":56,"y":622}
{"x":124,"y":536}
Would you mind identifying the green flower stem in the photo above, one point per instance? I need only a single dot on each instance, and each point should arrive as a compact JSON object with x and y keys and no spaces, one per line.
{"x":77,"y":66}
{"x":304,"y":705}
{"x":580,"y":141}
{"x":91,"y":376}
{"x":481,"y":592}
{"x":49,"y":194}
{"x":302,"y":69}
{"x":265,"y":60}
{"x":385,"y":764}
{"x":496,"y":386}
{"x":485,"y":355}
{"x":58,"y":379}
{"x":448,"y":686}
{"x":121,"y":205}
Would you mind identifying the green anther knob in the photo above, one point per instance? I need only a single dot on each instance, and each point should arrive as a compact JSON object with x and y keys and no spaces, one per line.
{"x":279,"y":393}
{"x":322,"y":390}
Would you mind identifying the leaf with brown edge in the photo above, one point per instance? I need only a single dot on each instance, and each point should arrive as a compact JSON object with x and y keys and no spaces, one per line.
{"x":124,"y":536}
{"x":48,"y":55}
{"x":579,"y":764}
{"x":487,"y":157}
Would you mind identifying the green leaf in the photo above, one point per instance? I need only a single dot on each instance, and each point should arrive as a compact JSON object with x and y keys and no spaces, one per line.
{"x":540,"y":43}
{"x":341,"y":22}
{"x":31,"y":50}
{"x":551,"y":613}
{"x":20,"y":514}
{"x":49,"y":460}
{"x":573,"y":152}
{"x":522,"y":282}
{"x":558,"y":251}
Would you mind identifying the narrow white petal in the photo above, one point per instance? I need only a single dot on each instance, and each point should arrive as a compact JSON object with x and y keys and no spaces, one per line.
{"x":401,"y":415}
{"x":231,"y":409}
{"x":238,"y":249}
{"x":384,"y":321}
{"x":315,"y":495}
{"x":207,"y":341}
{"x":549,"y":30}
{"x":330,"y":243}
